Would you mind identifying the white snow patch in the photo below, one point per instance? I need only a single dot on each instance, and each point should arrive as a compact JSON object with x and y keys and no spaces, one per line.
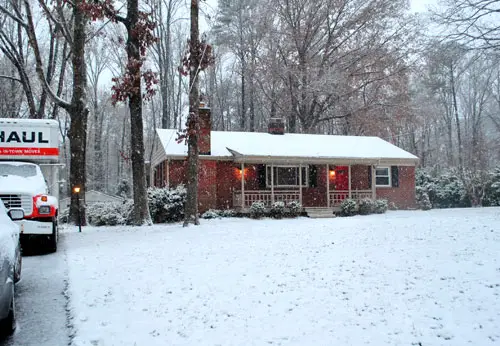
{"x":401,"y":278}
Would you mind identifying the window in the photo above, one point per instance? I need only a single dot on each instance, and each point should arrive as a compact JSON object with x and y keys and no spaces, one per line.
{"x":287,"y":176}
{"x":382,"y":176}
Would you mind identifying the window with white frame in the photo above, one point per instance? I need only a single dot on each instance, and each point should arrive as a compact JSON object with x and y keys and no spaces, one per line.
{"x":287,"y":176}
{"x":383,"y":176}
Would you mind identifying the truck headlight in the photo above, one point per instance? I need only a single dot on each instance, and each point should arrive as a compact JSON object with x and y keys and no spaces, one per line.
{"x":44,"y":209}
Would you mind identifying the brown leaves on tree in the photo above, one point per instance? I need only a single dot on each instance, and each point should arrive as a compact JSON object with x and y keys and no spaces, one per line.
{"x":97,"y":10}
{"x":127,"y":85}
{"x":205,"y":51}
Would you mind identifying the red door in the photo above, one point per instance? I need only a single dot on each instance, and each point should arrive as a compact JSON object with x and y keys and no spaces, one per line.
{"x":341,"y":178}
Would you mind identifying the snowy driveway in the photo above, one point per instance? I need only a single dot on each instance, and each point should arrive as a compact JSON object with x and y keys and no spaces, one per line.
{"x":403,"y":278}
{"x":40,"y":302}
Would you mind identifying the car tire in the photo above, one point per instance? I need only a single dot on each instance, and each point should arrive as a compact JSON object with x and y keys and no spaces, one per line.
{"x":53,"y":237}
{"x":8,"y":325}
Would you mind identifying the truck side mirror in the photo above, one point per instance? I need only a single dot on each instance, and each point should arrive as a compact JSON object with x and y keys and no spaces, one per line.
{"x":16,"y":214}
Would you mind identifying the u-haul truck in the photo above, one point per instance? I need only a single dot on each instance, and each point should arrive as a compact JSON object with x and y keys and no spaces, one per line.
{"x":29,"y":175}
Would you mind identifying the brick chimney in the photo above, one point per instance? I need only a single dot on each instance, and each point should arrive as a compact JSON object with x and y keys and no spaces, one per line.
{"x":205,"y":128}
{"x":276,"y":126}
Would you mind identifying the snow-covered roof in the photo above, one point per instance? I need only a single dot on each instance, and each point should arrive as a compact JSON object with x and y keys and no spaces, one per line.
{"x":244,"y":146}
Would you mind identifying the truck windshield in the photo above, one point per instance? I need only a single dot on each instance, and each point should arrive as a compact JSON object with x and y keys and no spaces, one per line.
{"x":19,"y":170}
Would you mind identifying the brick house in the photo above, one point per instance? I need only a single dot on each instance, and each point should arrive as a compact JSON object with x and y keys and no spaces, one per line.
{"x":320,"y":171}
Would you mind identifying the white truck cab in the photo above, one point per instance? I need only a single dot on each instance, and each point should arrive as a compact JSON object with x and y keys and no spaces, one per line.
{"x":29,"y":172}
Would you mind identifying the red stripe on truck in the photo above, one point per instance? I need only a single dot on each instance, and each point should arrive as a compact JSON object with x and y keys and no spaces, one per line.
{"x":30,"y":151}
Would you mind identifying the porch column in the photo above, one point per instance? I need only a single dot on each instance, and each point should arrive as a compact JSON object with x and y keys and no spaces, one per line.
{"x":242,"y":185}
{"x":374,"y":192}
{"x":168,"y":173}
{"x":272,"y":183}
{"x":349,"y":173}
{"x":328,"y":185}
{"x":300,"y":184}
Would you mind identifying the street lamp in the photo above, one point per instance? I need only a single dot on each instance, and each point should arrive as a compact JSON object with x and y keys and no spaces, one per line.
{"x":76,"y":190}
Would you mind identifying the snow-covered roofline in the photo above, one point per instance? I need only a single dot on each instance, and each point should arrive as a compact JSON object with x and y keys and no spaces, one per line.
{"x":307,"y":148}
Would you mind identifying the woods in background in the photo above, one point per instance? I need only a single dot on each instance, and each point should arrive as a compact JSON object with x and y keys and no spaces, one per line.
{"x":353,"y":67}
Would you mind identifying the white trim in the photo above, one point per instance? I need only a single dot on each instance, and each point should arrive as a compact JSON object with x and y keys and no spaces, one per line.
{"x":389,"y":184}
{"x":349,"y":173}
{"x":299,"y":166}
{"x":242,"y":185}
{"x":327,"y":185}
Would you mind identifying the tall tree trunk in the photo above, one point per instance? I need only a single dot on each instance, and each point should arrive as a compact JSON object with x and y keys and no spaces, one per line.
{"x":191,"y":209}
{"x":457,"y":120}
{"x":78,"y":113}
{"x":140,"y":214}
{"x":243,"y":99}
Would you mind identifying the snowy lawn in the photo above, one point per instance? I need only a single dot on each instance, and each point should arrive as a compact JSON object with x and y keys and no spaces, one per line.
{"x":403,"y":278}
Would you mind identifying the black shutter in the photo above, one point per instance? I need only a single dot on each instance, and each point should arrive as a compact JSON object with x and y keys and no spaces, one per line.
{"x":369,"y":177}
{"x":395,"y":176}
{"x":261,"y":176}
{"x":313,"y":176}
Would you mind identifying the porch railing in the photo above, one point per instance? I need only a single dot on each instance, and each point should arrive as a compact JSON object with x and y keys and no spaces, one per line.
{"x":336,"y":197}
{"x":265,"y":196}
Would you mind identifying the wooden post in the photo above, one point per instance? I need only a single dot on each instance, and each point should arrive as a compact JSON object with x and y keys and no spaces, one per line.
{"x":272,"y":183}
{"x":328,"y":185}
{"x":300,"y":184}
{"x":242,"y":186}
{"x":349,"y":173}
{"x":374,"y":192}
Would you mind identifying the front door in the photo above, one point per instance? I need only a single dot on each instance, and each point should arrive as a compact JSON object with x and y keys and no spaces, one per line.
{"x":341,"y":179}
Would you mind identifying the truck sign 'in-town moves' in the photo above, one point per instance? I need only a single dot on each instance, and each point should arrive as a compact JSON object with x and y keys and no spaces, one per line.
{"x":29,"y":169}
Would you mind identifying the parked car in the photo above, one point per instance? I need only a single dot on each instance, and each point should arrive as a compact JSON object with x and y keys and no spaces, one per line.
{"x":10,"y":266}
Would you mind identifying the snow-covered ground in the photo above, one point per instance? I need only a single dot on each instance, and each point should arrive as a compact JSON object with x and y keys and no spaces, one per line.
{"x":403,"y":278}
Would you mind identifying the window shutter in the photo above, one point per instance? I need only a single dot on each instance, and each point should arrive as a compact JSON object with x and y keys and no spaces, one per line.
{"x":395,"y":176}
{"x":369,"y":177}
{"x":313,"y":176}
{"x":261,"y":176}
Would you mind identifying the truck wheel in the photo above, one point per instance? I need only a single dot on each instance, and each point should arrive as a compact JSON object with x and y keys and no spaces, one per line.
{"x":53,"y":237}
{"x":8,"y":325}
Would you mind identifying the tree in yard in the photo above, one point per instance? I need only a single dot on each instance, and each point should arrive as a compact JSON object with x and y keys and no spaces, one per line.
{"x":75,"y":34}
{"x":197,"y":59}
{"x":128,"y":87}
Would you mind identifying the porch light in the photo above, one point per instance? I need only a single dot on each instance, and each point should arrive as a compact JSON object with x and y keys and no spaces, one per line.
{"x":332,"y":173}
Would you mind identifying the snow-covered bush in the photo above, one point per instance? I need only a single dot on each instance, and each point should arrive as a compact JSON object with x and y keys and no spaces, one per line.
{"x":166,"y":204}
{"x":422,"y":197}
{"x":381,"y":206}
{"x":227,"y":213}
{"x":444,"y":191}
{"x":278,"y":209}
{"x":492,"y":189}
{"x":366,"y":206}
{"x":257,"y":210}
{"x":109,"y":214}
{"x":294,"y":208}
{"x":348,"y":207}
{"x":211,"y":214}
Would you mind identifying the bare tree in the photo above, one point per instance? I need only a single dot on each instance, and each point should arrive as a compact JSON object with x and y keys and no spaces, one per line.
{"x":472,"y":23}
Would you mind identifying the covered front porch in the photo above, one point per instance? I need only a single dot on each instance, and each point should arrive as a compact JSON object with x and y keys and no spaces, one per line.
{"x":313,"y":185}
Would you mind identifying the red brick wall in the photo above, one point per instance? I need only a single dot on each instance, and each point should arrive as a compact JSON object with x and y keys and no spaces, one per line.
{"x":218,"y":180}
{"x":404,"y":195}
{"x":360,"y":179}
